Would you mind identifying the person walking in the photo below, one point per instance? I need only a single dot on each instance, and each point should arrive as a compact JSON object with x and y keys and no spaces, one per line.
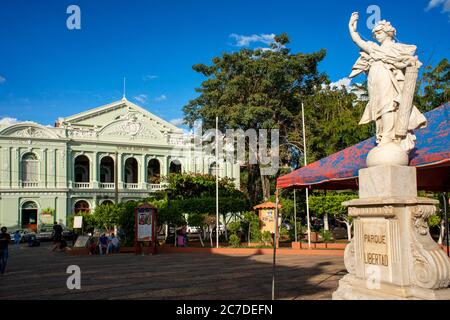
{"x":4,"y":242}
{"x":57,"y":236}
{"x":17,"y":238}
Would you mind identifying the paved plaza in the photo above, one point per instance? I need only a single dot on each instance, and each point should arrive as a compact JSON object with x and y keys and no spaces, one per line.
{"x":38,"y":273}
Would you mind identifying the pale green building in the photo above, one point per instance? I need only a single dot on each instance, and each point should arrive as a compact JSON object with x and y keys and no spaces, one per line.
{"x":116,"y":152}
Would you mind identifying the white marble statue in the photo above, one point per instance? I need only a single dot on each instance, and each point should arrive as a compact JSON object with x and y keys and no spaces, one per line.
{"x":392,"y":70}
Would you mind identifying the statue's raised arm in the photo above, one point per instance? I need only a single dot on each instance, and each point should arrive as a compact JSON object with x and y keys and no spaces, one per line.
{"x":352,"y":26}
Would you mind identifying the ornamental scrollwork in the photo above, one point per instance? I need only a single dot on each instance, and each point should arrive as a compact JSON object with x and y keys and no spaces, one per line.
{"x":420,"y":215}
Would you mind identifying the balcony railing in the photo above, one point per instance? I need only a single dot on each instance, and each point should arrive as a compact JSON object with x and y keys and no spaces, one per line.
{"x":30,"y":184}
{"x":107,"y":185}
{"x":82,"y":185}
{"x":157,"y":186}
{"x":131,"y":185}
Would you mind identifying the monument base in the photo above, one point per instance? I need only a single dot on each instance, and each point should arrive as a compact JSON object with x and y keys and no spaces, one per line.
{"x":352,"y":288}
{"x":392,"y":254}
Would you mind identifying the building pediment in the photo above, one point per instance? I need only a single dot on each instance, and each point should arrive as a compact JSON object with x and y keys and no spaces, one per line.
{"x":132,"y":126}
{"x":29,"y":130}
{"x":101,"y":117}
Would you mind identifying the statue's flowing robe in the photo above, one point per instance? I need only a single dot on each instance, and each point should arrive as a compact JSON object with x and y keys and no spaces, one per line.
{"x":385,"y":65}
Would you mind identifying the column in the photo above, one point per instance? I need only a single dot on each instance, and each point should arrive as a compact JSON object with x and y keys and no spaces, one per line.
{"x":15,"y":168}
{"x":228,"y":171}
{"x":62,"y":166}
{"x":237,"y":175}
{"x":94,"y":173}
{"x":6,"y":166}
{"x":143,"y":173}
{"x":70,"y":169}
{"x":51,"y":172}
{"x":120,"y":170}
{"x":165,"y":164}
{"x":43,"y":169}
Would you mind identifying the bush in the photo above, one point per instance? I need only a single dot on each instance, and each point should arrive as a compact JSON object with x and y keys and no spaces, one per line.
{"x":234,"y":227}
{"x":301,"y":230}
{"x":234,"y":241}
{"x":266,"y":237}
{"x":326,"y":235}
{"x":251,"y":221}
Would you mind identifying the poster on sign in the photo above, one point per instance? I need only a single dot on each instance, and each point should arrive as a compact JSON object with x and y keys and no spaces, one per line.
{"x":145,"y":224}
{"x":145,"y":229}
{"x":78,"y":222}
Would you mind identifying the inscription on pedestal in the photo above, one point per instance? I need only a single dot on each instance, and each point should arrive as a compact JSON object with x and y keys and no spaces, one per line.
{"x":375,"y":246}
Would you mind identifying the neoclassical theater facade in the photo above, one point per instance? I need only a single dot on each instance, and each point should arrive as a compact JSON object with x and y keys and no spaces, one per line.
{"x":116,"y":152}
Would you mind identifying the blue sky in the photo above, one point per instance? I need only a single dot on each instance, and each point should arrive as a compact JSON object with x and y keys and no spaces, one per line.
{"x":48,"y":71}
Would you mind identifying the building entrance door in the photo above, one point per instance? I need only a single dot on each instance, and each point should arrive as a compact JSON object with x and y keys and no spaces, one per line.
{"x":29,"y":216}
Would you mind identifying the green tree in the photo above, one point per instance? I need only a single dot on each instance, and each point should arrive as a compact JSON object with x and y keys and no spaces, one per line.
{"x":89,"y":222}
{"x":250,"y":226}
{"x":255,"y":89}
{"x":433,"y":87}
{"x":107,"y":216}
{"x":332,"y":204}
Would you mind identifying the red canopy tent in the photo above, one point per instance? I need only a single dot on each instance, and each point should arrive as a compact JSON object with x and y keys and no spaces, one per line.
{"x":339,"y":171}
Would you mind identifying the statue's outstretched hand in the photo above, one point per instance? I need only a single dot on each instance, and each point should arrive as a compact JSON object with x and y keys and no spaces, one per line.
{"x":353,"y":23}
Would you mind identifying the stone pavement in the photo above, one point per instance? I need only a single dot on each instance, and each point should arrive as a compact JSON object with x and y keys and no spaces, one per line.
{"x":38,"y":273}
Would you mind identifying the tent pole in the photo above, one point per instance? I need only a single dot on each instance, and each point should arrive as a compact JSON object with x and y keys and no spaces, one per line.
{"x":295,"y":218}
{"x":306,"y":163}
{"x":275,"y":240}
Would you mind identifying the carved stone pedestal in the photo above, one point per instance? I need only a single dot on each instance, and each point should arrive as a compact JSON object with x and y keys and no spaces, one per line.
{"x":392,"y":255}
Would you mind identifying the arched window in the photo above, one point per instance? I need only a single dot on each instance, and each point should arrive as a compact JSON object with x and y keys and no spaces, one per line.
{"x":81,"y":206}
{"x":153,"y":171}
{"x":107,"y":170}
{"x":175,"y":166}
{"x":107,"y":203}
{"x":82,"y":169}
{"x":131,"y":171}
{"x":30,"y":168}
{"x":212,"y":169}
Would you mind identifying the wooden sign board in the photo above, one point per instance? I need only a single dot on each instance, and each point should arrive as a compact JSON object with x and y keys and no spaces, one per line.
{"x":145,"y":226}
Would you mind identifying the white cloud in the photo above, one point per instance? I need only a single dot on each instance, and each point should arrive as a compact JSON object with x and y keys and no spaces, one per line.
{"x":245,"y":41}
{"x":160,"y":98}
{"x":8,"y":121}
{"x":341,"y":82}
{"x":2,"y":80}
{"x":142,"y":98}
{"x":177,"y":122}
{"x":149,"y":77}
{"x":437,"y":3}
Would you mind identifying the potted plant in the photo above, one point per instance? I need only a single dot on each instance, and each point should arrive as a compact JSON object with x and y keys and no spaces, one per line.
{"x":47,"y":215}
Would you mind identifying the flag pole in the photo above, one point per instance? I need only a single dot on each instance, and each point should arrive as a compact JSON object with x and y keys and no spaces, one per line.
{"x":307,"y":191}
{"x":217,"y":182}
